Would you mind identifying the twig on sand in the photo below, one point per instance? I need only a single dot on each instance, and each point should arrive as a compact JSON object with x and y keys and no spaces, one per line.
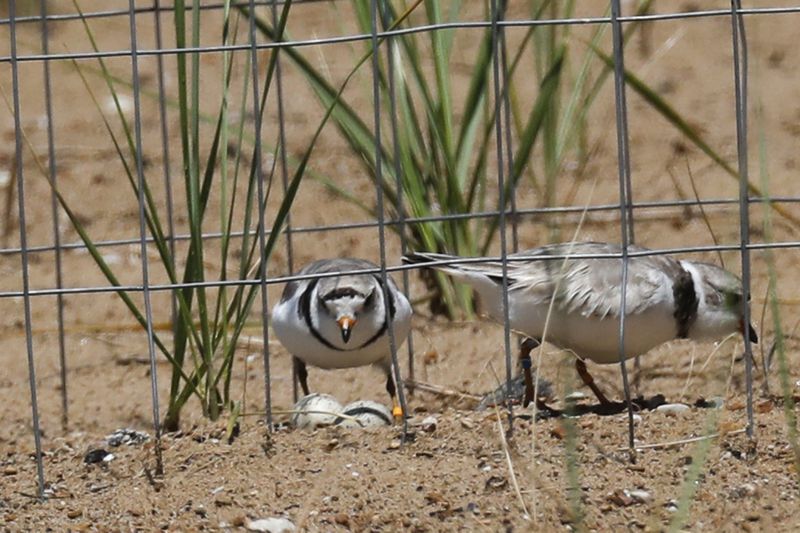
{"x":681,"y":442}
{"x":439,"y":390}
{"x":511,"y":472}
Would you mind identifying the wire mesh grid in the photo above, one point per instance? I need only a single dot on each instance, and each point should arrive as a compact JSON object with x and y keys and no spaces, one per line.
{"x":43,"y":152}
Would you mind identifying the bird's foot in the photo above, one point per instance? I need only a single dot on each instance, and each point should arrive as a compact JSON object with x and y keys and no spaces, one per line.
{"x":397,"y":413}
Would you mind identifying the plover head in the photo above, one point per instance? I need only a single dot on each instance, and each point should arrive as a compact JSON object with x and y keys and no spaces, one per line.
{"x":345,"y":299}
{"x":719,"y":298}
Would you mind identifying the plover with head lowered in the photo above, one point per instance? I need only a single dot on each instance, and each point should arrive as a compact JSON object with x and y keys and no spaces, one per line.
{"x":342,"y":321}
{"x":666,"y":299}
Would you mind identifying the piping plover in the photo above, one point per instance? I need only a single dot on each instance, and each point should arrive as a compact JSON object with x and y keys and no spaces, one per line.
{"x":665,"y":299}
{"x":341,"y":321}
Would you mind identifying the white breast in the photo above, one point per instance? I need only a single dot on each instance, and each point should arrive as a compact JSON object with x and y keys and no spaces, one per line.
{"x":293,"y":333}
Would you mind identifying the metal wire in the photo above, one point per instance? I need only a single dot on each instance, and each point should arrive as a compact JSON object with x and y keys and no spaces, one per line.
{"x":610,"y":209}
{"x":23,"y":241}
{"x":625,"y":195}
{"x":284,"y":167}
{"x":509,"y":143}
{"x":740,"y":84}
{"x":148,"y":309}
{"x":165,"y":153}
{"x":627,"y":211}
{"x":262,"y":238}
{"x":497,"y":13}
{"x":376,"y":102}
{"x":391,"y":50}
{"x":51,"y":170}
{"x":427,"y":28}
{"x":754,"y":11}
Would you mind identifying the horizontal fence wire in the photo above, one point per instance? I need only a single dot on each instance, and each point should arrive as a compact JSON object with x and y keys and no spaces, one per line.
{"x":611,"y":209}
{"x":700,"y":13}
{"x":427,"y":28}
{"x":398,"y":268}
{"x":627,"y":212}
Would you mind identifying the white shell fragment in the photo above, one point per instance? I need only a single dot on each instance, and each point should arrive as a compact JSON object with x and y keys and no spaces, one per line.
{"x":673,"y":409}
{"x":270,"y":525}
{"x":315,"y":410}
{"x":640,"y":495}
{"x":366,"y":414}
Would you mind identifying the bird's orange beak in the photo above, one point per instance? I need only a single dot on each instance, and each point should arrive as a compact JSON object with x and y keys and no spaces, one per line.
{"x":346,"y":324}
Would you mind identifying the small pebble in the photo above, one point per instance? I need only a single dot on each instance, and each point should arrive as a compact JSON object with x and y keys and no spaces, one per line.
{"x":574,"y":396}
{"x":620,"y":498}
{"x":673,"y":409}
{"x":270,"y":525}
{"x":742,"y":491}
{"x":74,"y":513}
{"x":97,"y":455}
{"x":127,"y":436}
{"x":558,"y":431}
{"x":428,"y":425}
{"x":640,"y":496}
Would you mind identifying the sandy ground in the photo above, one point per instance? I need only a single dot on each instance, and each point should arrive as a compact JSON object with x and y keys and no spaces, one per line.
{"x":464,"y":473}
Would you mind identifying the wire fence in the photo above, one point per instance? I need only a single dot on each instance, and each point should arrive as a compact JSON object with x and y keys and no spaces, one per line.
{"x":509,"y":212}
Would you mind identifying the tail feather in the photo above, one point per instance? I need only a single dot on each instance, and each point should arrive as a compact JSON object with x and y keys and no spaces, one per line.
{"x":420,"y":258}
{"x":432,"y":260}
{"x":463,"y":272}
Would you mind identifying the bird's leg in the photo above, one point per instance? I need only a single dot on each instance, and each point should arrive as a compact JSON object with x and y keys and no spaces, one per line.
{"x":588,"y":380}
{"x":397,"y":410}
{"x":302,"y":374}
{"x":525,"y":360}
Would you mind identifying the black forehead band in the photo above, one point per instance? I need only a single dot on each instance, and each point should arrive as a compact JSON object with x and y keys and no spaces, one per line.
{"x":342,"y":292}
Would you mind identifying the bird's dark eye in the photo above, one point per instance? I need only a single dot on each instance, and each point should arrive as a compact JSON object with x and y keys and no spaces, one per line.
{"x":733,"y":299}
{"x":370,"y":299}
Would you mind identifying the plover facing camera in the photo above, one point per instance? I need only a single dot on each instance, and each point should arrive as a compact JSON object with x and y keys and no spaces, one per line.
{"x":666,"y":299}
{"x":342,"y":321}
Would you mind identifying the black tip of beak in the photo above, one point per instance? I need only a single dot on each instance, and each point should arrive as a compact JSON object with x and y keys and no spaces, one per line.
{"x":752,"y":334}
{"x":346,"y":334}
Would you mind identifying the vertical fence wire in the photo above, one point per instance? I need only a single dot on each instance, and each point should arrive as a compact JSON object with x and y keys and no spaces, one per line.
{"x":163,"y":117}
{"x":391,"y":50}
{"x":509,"y":143}
{"x":262,"y":234}
{"x":740,"y":87}
{"x":376,"y":96}
{"x":623,"y":162}
{"x":148,"y":310}
{"x":51,"y":170}
{"x":505,"y":170}
{"x":497,"y":14}
{"x":284,"y":167}
{"x":23,"y":244}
